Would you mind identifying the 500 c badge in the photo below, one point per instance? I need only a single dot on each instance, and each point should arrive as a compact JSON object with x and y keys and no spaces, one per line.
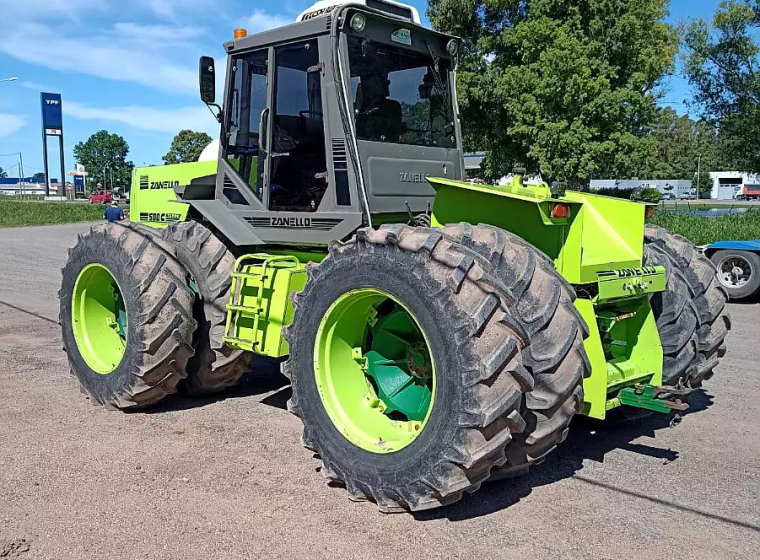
{"x":160,"y":217}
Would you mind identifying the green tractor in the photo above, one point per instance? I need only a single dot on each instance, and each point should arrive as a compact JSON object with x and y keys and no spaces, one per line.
{"x":438,"y":333}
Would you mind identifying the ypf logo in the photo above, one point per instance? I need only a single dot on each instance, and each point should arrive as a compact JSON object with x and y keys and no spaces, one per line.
{"x":52,"y":102}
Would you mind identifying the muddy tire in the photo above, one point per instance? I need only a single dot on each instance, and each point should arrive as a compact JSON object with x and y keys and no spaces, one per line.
{"x":542,"y":301}
{"x":691,"y":313}
{"x":215,"y":366}
{"x":126,"y":317}
{"x":484,"y":356}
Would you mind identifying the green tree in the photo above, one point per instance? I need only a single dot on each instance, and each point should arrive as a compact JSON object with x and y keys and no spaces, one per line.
{"x":703,"y":183}
{"x":683,"y":146}
{"x":38,"y":175}
{"x":104,"y":155}
{"x":3,"y":173}
{"x":721,"y":62}
{"x":567,"y":88}
{"x":187,"y":146}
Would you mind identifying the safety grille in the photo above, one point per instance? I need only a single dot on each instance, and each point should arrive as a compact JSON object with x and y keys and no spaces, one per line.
{"x":339,"y":154}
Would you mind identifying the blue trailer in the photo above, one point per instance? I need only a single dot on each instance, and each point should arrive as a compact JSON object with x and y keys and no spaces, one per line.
{"x":738,"y":264}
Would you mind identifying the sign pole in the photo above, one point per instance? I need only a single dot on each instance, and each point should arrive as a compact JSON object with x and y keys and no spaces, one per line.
{"x":45,"y":159}
{"x":63,"y":167}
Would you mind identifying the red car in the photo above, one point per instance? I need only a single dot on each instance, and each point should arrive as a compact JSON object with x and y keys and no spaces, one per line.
{"x":101,"y":197}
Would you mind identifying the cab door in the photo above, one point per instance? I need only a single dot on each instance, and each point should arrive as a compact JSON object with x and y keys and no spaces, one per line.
{"x":245,"y":152}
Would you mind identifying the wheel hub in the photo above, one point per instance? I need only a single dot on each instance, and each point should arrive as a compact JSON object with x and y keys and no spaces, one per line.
{"x":99,"y":318}
{"x":734,"y":272}
{"x":380,"y":399}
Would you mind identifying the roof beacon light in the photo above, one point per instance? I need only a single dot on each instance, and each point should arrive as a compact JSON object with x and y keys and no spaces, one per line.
{"x":240,"y":33}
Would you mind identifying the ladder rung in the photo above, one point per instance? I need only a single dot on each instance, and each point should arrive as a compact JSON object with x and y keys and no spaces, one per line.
{"x":240,"y":340}
{"x":244,"y":309}
{"x":248,"y":275}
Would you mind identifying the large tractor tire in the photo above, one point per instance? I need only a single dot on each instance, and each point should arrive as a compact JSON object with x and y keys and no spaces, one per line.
{"x":215,"y":366}
{"x":691,"y":313}
{"x":556,"y":358}
{"x":126,"y":317}
{"x":411,"y":367}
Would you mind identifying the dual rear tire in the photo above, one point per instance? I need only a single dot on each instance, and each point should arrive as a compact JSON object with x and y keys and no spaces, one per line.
{"x":691,"y":313}
{"x":505,"y":351}
{"x":141,"y":313}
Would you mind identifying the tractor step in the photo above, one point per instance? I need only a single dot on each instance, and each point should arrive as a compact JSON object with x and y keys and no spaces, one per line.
{"x":259,"y":305}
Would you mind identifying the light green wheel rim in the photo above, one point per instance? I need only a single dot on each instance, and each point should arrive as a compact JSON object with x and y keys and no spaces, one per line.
{"x":99,"y":318}
{"x":374,"y":370}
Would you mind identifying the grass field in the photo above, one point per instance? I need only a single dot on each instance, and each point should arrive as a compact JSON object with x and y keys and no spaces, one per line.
{"x":17,"y":213}
{"x":701,"y":230}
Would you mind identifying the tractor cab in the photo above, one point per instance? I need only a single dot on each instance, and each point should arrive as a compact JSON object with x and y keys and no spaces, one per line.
{"x":330,"y":123}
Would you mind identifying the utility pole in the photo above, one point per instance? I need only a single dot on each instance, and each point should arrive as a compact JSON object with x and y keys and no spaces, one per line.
{"x":699,"y":175}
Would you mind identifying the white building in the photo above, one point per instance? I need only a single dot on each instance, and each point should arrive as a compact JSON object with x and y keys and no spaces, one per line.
{"x":727,"y":183}
{"x":678,"y":187}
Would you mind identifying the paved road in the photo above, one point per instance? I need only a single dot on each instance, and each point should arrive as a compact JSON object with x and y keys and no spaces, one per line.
{"x":227,"y":477}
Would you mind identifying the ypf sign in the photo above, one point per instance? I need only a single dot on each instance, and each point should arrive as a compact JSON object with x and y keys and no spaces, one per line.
{"x":52,"y":125}
{"x":52,"y":113}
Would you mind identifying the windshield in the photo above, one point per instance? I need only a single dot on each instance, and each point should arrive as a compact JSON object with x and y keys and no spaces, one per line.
{"x":400,"y":96}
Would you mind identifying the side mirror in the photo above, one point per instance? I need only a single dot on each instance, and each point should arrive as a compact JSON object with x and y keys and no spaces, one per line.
{"x":207,"y":80}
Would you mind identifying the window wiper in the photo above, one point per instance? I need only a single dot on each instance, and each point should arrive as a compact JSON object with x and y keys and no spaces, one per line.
{"x":440,"y":84}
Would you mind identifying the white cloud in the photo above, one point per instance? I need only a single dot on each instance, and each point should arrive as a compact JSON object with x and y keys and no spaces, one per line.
{"x":169,"y":8}
{"x":148,"y":118}
{"x":73,"y":10}
{"x":10,"y":123}
{"x":113,"y":57}
{"x":38,"y":87}
{"x":260,"y":21}
{"x":157,"y":36}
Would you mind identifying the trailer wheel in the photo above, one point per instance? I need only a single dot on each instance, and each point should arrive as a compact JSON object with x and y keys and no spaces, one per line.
{"x":738,"y":272}
{"x":126,"y":317}
{"x":215,"y":366}
{"x":691,"y":313}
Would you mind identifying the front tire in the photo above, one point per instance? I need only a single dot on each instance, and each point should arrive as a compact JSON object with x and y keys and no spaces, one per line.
{"x":125,"y":314}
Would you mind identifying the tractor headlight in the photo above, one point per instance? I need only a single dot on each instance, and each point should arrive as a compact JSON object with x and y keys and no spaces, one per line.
{"x":358,"y":22}
{"x":452,"y":47}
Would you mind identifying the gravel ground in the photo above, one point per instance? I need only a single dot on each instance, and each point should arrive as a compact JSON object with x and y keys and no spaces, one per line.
{"x":227,"y":477}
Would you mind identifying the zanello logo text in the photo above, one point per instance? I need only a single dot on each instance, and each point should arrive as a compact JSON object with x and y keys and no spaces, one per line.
{"x":290,"y":222}
{"x":632,"y":272}
{"x":411,"y":177}
{"x":52,"y":102}
{"x":146,"y":184}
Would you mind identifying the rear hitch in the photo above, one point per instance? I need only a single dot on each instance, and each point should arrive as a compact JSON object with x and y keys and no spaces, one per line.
{"x":659,"y":398}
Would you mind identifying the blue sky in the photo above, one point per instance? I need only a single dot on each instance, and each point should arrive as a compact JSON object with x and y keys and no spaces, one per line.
{"x":131,"y":67}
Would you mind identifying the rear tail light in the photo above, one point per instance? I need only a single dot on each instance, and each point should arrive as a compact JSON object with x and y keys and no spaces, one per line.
{"x":560,"y":211}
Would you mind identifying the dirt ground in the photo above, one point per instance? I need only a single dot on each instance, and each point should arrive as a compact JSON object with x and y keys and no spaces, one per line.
{"x":227,"y":478}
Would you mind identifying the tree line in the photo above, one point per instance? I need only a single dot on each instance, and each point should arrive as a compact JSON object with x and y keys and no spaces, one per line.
{"x":572,"y":89}
{"x":104,"y":156}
